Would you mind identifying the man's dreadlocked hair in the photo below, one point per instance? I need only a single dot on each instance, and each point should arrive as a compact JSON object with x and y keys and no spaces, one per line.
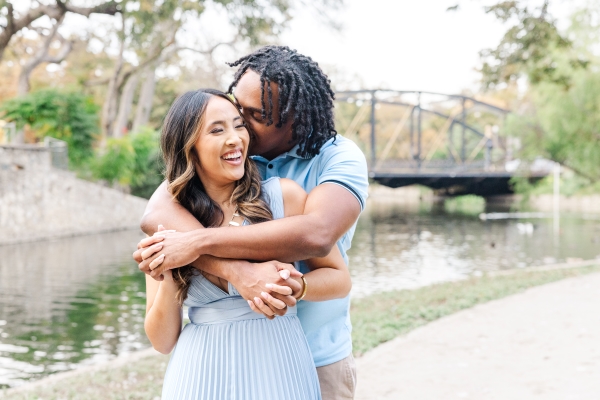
{"x":304,"y":91}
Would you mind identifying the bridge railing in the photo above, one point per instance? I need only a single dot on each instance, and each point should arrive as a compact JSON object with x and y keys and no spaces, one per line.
{"x":420,"y":130}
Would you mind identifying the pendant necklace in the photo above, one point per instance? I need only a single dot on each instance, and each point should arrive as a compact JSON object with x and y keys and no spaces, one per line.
{"x":235,"y":214}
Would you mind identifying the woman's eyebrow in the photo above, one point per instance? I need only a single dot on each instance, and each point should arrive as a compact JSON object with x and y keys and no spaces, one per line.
{"x":217,"y":123}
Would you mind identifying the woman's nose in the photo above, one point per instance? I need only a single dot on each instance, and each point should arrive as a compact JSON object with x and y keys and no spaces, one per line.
{"x":233,"y":139}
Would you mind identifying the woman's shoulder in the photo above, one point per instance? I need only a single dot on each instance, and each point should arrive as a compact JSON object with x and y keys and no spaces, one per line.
{"x":291,"y":196}
{"x":294,"y":197}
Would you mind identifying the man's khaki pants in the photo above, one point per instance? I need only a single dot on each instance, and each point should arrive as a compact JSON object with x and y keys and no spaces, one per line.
{"x":338,"y":380}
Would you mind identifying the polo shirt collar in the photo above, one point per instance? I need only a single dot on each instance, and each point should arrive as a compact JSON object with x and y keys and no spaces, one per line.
{"x":293,"y":152}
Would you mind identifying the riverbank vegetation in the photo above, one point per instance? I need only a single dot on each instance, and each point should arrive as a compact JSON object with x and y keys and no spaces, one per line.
{"x":548,"y":73}
{"x":376,"y":319}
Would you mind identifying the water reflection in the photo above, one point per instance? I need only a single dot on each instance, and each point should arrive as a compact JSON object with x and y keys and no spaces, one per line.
{"x":68,"y":302}
{"x":399,"y":246}
{"x":78,"y":300}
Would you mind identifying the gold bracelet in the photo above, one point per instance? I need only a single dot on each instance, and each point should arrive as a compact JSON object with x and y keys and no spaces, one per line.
{"x":303,"y":289}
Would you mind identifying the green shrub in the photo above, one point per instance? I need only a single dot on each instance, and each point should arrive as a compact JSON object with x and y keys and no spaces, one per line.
{"x":132,"y":161}
{"x":115,"y":162}
{"x":64,"y":115}
{"x":147,"y":173}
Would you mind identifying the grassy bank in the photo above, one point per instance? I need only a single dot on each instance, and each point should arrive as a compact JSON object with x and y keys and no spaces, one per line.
{"x":376,"y":319}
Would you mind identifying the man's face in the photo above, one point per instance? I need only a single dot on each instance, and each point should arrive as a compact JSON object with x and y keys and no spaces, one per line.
{"x":267,"y":141}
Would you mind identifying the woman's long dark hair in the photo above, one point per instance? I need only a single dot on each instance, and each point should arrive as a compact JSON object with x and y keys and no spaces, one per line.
{"x":180,"y":133}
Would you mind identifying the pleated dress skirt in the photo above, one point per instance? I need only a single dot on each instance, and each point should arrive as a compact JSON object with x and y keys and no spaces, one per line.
{"x":230,"y":352}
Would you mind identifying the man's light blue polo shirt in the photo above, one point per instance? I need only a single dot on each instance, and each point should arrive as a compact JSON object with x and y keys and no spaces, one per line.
{"x":326,"y":323}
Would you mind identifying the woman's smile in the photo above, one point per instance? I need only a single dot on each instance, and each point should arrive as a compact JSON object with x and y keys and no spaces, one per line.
{"x":233,"y":157}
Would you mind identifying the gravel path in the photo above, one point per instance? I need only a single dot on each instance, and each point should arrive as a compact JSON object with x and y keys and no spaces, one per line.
{"x":541,"y":344}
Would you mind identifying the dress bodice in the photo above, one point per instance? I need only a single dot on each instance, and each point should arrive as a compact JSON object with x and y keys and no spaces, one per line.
{"x":202,"y":291}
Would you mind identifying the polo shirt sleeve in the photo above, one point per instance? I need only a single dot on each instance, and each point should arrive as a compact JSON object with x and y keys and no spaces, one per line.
{"x":344,"y":164}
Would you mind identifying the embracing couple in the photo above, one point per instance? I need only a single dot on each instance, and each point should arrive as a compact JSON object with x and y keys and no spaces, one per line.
{"x":264,"y":169}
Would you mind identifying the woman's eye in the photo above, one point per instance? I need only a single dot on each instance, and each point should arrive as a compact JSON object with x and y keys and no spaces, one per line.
{"x":240,"y":126}
{"x":217,"y":130}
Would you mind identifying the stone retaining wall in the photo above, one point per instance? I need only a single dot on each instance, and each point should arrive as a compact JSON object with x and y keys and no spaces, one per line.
{"x":38,"y":201}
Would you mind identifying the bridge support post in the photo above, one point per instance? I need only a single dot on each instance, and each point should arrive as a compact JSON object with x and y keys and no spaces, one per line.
{"x":419,"y":131}
{"x":373,"y":143}
{"x":463,"y":139}
{"x":488,"y":154}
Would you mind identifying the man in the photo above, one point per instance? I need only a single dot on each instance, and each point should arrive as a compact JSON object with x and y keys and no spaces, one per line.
{"x":287,"y":103}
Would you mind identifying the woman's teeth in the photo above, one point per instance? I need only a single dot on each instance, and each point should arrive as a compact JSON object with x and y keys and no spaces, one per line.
{"x":231,"y":156}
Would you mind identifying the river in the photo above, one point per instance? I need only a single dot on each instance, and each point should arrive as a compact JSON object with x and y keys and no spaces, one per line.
{"x":75,"y":301}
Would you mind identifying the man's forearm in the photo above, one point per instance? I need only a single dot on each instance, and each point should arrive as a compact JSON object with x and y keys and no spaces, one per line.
{"x":301,"y":237}
{"x":287,"y":240}
{"x":221,"y":267}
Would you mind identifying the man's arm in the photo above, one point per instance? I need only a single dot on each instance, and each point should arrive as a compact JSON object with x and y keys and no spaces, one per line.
{"x":330,"y":211}
{"x":249,"y":278}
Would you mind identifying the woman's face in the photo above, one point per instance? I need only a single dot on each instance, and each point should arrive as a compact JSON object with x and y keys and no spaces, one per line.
{"x":222,"y":144}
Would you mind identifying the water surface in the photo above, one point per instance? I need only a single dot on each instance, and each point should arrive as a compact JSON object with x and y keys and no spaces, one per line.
{"x":75,"y":301}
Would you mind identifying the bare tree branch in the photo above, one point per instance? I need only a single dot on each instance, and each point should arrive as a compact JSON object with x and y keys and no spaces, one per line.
{"x":43,"y":56}
{"x":55,"y":11}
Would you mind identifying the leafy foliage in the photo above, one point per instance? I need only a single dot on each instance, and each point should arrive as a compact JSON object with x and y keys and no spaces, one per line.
{"x":133,"y":161}
{"x":64,"y":115}
{"x":532,"y":47}
{"x":148,"y":163}
{"x":564,"y":125}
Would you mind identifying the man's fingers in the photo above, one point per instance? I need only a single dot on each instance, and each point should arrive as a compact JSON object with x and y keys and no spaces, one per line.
{"x":150,"y":240}
{"x":294,"y":285}
{"x":285,"y":290}
{"x":137,"y":256}
{"x":157,"y":261}
{"x":284,"y":274}
{"x":289,"y":301}
{"x":280,"y":305}
{"x":148,"y":252}
{"x":287,"y":270}
{"x":264,"y":308}
{"x":253,"y":307}
{"x":164,"y":232}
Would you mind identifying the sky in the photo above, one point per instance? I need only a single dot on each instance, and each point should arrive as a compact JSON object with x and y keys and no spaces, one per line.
{"x":405,"y":45}
{"x":402,"y":45}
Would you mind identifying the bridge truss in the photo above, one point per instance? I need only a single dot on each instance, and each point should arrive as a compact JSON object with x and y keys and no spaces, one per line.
{"x":451,"y":143}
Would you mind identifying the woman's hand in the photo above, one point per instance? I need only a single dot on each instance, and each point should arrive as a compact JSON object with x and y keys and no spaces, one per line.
{"x":165,"y":250}
{"x":271,"y":303}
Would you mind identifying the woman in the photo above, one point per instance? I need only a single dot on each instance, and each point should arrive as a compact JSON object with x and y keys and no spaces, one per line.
{"x":228,"y":351}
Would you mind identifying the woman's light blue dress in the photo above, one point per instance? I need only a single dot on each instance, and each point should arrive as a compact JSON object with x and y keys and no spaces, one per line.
{"x":230,"y":352}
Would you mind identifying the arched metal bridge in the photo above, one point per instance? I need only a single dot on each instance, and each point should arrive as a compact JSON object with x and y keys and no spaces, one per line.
{"x":451,"y":143}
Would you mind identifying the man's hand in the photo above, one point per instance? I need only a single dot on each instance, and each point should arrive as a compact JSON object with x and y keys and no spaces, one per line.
{"x":165,"y":250}
{"x":268,"y":286}
{"x":137,"y":255}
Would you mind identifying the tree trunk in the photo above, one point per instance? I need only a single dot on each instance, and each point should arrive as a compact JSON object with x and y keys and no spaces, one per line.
{"x":145,"y":99}
{"x":109,"y":108}
{"x":125,"y":106}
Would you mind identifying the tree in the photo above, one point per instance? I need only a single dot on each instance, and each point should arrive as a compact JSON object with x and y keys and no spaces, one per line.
{"x":42,"y":55}
{"x":557,"y":117}
{"x":63,"y":115}
{"x":563,"y":125}
{"x":532,"y":47}
{"x":13,"y":21}
{"x":150,"y":32}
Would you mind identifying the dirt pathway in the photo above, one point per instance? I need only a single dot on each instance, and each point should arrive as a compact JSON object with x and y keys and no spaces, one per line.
{"x":540,"y":344}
